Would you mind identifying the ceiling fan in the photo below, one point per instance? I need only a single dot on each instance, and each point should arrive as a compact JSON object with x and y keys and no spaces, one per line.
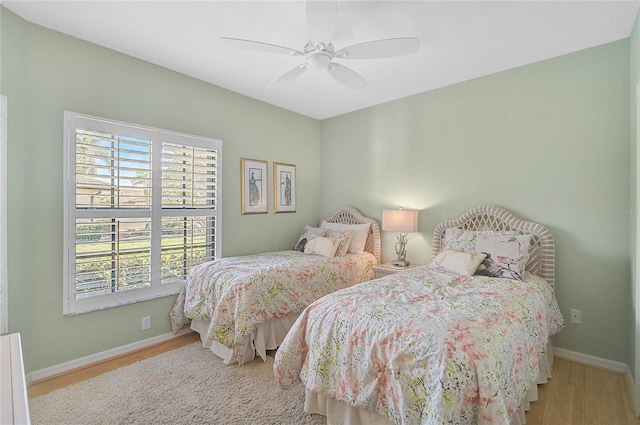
{"x":320,"y":53}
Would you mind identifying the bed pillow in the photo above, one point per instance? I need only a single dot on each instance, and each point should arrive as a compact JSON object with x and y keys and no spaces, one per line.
{"x":304,"y":236}
{"x":343,"y":239}
{"x":506,"y":255}
{"x":320,"y":245}
{"x":465,"y":240}
{"x":359,"y":238}
{"x":464,"y":263}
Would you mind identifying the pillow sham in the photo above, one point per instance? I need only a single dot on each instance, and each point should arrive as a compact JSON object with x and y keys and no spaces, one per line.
{"x":506,"y":255}
{"x":342,"y":238}
{"x":304,"y":236}
{"x":319,"y":245}
{"x":360,"y":233}
{"x":464,"y":263}
{"x":465,"y":240}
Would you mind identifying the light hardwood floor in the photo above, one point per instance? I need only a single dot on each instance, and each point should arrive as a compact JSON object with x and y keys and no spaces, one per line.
{"x":43,"y":386}
{"x":576,"y":395}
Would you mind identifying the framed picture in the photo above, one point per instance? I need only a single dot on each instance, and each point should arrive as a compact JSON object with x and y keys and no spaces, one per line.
{"x":254,"y":186}
{"x":284,"y":187}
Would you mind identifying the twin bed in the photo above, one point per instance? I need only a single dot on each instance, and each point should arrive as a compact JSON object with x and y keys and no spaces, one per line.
{"x":464,"y":340}
{"x":243,"y":306}
{"x":435,"y":344}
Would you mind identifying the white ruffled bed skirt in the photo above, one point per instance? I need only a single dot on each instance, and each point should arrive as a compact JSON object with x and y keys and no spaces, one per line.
{"x":268,"y":336}
{"x":339,"y":413}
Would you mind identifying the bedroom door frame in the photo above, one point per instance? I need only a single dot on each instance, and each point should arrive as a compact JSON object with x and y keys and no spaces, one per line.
{"x":636,"y":283}
{"x":4,"y":297}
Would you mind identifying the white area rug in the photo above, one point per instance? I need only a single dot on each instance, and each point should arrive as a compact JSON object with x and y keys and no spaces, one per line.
{"x":188,"y":385}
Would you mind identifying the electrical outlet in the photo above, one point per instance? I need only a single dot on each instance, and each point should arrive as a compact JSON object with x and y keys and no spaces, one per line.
{"x":146,"y":323}
{"x":576,"y":316}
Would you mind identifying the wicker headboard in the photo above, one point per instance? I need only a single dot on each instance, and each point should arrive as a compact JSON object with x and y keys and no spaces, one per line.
{"x":487,"y":217}
{"x":351,"y":215}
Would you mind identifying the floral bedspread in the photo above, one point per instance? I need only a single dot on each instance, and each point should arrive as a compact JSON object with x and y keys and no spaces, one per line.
{"x":237,"y":294}
{"x":424,"y":347}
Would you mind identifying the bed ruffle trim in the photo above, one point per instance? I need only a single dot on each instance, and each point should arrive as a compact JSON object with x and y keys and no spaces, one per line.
{"x":339,"y":413}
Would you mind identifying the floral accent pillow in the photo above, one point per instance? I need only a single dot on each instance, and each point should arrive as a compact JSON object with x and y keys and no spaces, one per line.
{"x":320,"y":245}
{"x":506,"y":256}
{"x":465,"y":240}
{"x":464,"y":263}
{"x":304,"y":236}
{"x":343,"y":238}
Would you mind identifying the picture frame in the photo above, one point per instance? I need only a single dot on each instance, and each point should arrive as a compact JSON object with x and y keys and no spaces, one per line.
{"x":284,"y":188}
{"x":254,"y":186}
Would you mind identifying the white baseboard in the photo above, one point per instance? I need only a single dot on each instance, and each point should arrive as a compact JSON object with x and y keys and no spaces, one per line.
{"x":591,"y":360}
{"x":633,"y":390}
{"x":104,"y":355}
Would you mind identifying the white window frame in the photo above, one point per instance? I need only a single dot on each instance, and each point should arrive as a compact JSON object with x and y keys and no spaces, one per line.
{"x":4,"y":284}
{"x":73,"y":121}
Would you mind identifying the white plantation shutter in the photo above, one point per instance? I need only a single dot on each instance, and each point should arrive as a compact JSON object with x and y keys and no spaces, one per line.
{"x":142,"y":209}
{"x":189,"y":191}
{"x":108,"y":258}
{"x":112,"y":178}
{"x":188,"y":177}
{"x":186,"y":241}
{"x":112,"y":171}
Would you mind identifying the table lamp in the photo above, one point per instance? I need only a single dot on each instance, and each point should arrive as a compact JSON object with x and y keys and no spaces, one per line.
{"x":403,"y":222}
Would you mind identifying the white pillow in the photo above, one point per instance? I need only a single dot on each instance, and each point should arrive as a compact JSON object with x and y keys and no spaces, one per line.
{"x":359,"y":238}
{"x":319,"y":245}
{"x":463,"y":263}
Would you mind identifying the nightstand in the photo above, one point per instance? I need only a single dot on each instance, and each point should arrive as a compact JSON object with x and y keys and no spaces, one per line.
{"x":386,"y":269}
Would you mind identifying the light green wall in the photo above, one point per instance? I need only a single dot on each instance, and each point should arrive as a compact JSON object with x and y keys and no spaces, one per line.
{"x":548,"y":141}
{"x":45,"y":73}
{"x":634,"y":88}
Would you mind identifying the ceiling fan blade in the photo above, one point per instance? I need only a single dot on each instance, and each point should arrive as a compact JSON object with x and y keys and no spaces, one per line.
{"x":321,"y":19}
{"x":289,"y":76}
{"x":386,"y":48}
{"x":346,"y":76}
{"x":259,"y":46}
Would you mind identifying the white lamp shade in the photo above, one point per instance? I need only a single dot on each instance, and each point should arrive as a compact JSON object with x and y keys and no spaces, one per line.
{"x":405,"y":221}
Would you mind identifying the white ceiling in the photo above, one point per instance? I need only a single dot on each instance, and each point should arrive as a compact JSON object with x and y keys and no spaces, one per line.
{"x":459,"y":40}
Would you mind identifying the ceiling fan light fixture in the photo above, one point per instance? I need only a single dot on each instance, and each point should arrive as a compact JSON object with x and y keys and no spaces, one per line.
{"x":319,"y":60}
{"x":321,"y":21}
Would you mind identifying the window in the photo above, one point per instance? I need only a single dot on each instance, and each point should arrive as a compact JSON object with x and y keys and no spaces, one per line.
{"x":141,"y":209}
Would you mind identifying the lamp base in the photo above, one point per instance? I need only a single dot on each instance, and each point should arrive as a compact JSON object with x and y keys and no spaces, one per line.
{"x":400,"y":263}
